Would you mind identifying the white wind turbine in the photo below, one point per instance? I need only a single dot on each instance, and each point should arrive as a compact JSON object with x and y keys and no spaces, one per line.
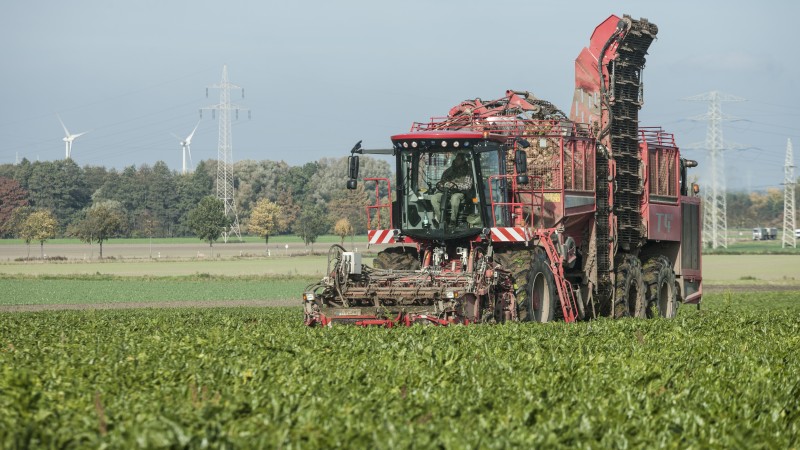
{"x":68,"y":138}
{"x":186,"y":146}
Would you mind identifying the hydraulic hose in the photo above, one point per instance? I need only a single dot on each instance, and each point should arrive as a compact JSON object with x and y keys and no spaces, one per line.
{"x":622,"y":26}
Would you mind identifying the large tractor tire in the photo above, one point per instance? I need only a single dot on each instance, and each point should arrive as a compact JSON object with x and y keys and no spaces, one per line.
{"x":661,"y":294}
{"x":397,"y":258}
{"x":535,"y":286}
{"x":629,"y":289}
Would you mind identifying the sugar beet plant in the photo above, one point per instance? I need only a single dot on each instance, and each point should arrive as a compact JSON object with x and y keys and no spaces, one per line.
{"x":727,"y":376}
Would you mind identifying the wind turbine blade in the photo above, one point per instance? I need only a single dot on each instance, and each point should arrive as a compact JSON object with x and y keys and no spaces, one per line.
{"x":66,"y":131}
{"x":189,"y":151}
{"x":177,"y":137}
{"x":189,"y":139}
{"x":75,"y":136}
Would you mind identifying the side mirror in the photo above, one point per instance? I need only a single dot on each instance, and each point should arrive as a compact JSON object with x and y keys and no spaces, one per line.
{"x":352,"y":165}
{"x":521,"y":165}
{"x":352,"y":171}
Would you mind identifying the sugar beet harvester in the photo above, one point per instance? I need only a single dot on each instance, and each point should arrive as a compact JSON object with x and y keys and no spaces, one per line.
{"x":508,"y":210}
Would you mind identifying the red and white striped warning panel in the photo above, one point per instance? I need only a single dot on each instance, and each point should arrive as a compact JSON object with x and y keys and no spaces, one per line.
{"x":509,"y":234}
{"x":380,"y":236}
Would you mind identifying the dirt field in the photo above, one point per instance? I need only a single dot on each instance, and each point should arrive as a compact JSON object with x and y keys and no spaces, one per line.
{"x":86,"y":252}
{"x":722,"y":273}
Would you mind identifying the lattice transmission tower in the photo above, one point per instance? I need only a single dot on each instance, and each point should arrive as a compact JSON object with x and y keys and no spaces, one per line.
{"x":225,"y":187}
{"x":789,"y":182}
{"x":715,"y":215}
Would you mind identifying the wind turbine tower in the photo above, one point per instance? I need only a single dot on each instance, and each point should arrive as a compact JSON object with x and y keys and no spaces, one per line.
{"x":225,"y":190}
{"x":186,"y":145}
{"x":789,"y":224}
{"x":715,"y":217}
{"x":69,"y":138}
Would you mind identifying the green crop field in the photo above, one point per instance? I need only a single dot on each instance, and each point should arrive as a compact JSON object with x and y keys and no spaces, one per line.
{"x":727,"y":376}
{"x":50,"y":290}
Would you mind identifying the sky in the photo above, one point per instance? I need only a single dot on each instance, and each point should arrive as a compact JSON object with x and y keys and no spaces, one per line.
{"x":319,"y":76}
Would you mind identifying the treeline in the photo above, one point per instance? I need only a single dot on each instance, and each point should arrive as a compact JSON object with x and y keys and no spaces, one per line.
{"x":757,"y":209}
{"x":156,"y":201}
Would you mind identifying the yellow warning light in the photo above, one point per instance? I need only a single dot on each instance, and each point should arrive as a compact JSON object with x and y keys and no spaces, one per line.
{"x":485,"y":134}
{"x":474,"y":199}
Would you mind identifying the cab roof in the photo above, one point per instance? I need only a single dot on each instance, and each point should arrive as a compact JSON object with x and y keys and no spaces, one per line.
{"x":428,"y":135}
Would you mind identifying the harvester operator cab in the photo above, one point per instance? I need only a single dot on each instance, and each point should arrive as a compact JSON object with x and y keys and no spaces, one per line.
{"x":446,"y":187}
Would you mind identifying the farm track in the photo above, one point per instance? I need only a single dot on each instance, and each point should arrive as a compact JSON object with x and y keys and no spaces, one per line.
{"x":282,"y":303}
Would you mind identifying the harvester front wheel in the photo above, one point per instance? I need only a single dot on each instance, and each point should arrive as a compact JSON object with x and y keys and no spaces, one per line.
{"x":629,"y":292}
{"x":533,"y":281}
{"x":397,"y":258}
{"x":540,"y":304}
{"x":661,"y":293}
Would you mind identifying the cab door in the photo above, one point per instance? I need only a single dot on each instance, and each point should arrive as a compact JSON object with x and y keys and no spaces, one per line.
{"x":494,"y":184}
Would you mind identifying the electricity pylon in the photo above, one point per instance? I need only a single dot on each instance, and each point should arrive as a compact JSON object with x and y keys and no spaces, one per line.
{"x":715,"y":216}
{"x":225,"y":189}
{"x":789,"y":238}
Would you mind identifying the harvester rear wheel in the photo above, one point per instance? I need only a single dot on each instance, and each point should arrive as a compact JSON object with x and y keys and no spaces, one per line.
{"x":535,"y":287}
{"x":629,"y":292}
{"x":397,"y":258}
{"x":661,"y":293}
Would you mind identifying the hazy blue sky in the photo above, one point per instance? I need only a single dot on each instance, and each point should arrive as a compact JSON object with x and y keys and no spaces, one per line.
{"x":321,"y":75}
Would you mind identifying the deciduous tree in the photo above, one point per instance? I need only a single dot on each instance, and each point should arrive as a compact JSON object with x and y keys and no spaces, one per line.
{"x":40,"y":225}
{"x":208,"y":221}
{"x":99,"y":223}
{"x":351,"y":204}
{"x":312,"y":223}
{"x":265,"y":219}
{"x":342,"y":228}
{"x":12,"y":196}
{"x":17,"y":218}
{"x":289,"y":211}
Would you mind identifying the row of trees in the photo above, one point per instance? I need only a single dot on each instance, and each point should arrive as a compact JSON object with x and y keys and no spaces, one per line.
{"x":753,"y":209}
{"x":272,"y":197}
{"x":154,"y":201}
{"x":96,"y":224}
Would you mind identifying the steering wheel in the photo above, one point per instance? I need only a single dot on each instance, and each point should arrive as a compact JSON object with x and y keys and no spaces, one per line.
{"x":446,"y":184}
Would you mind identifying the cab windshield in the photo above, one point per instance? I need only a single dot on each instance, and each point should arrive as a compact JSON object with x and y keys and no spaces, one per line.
{"x":442,"y":193}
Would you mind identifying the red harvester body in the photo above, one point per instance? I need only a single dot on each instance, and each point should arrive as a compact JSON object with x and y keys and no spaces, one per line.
{"x":509,"y":210}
